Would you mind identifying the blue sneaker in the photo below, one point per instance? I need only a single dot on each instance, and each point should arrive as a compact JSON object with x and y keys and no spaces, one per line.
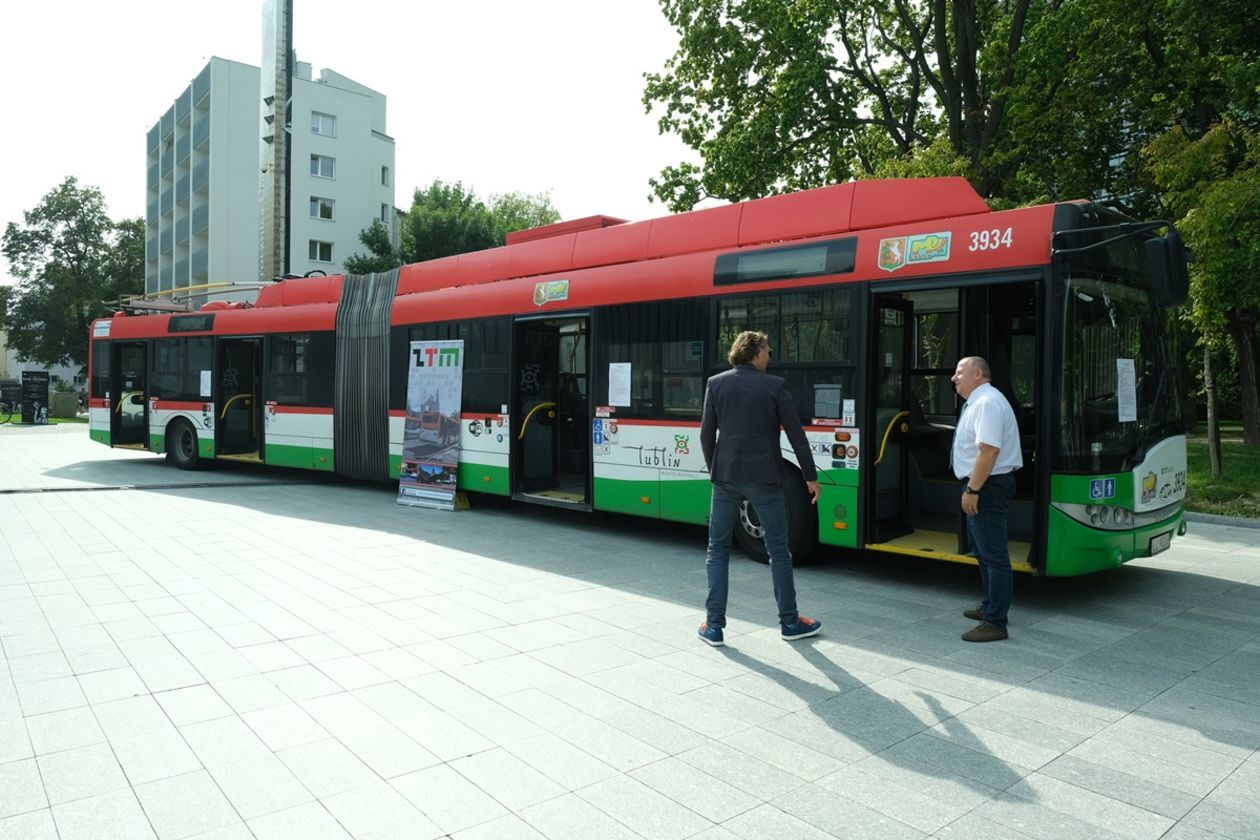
{"x":711,"y":635}
{"x":802,"y":629}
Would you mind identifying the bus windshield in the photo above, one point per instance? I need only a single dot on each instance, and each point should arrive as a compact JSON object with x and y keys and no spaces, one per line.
{"x":1118,"y":378}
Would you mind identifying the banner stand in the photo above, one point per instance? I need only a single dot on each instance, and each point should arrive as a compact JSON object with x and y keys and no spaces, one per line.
{"x":430,"y":454}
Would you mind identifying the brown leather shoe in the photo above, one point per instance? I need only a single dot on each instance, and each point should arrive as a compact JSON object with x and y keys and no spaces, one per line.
{"x":975,"y":614}
{"x":984,"y":632}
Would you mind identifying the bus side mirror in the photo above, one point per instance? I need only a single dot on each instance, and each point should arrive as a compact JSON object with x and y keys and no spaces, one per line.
{"x":1166,"y":259}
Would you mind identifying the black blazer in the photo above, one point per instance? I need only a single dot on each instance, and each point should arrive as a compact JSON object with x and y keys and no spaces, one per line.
{"x":743,"y":410}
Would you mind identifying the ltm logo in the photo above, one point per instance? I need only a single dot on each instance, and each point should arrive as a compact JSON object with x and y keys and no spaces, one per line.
{"x":445,"y":356}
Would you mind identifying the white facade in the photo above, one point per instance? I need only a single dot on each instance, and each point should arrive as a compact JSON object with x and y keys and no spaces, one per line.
{"x":342,"y":166}
{"x":202,"y":218}
{"x":203,"y":200}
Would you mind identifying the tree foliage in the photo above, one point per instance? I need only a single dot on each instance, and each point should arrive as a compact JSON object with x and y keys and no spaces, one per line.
{"x":68,"y":258}
{"x":445,"y":219}
{"x":1212,"y":184}
{"x":1041,"y":100}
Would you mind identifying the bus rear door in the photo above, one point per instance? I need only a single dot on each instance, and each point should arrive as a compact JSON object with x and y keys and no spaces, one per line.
{"x":238,"y":403}
{"x":129,"y":409}
{"x":551,"y":415}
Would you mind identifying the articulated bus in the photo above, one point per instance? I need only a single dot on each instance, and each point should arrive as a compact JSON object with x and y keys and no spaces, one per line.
{"x":587,"y":345}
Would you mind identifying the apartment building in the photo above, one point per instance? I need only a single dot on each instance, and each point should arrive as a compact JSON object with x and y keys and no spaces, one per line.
{"x":203,"y":178}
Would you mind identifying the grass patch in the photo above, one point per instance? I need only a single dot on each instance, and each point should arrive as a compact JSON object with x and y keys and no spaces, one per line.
{"x":82,"y":419}
{"x":1236,"y":492}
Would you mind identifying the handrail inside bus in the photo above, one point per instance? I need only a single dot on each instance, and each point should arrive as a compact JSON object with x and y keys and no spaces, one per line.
{"x":229,"y":402}
{"x":888,"y":432}
{"x":521,"y":436}
{"x":126,"y":396}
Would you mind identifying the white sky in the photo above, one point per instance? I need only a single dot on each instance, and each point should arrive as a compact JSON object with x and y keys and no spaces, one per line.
{"x":503,"y":95}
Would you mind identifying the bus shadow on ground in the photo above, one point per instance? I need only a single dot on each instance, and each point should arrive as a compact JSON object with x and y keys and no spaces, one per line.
{"x":1173,"y":645}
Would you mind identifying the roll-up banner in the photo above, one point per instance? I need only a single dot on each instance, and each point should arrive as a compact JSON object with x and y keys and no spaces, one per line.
{"x":35,"y":397}
{"x":430,"y":455}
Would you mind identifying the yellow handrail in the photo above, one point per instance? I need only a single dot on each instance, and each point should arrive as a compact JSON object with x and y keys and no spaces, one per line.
{"x":532,"y":411}
{"x":223,"y":413}
{"x":126,"y":395}
{"x":888,"y":432}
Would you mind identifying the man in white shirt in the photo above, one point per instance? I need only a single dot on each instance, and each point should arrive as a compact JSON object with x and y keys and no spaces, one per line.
{"x":986,"y":455}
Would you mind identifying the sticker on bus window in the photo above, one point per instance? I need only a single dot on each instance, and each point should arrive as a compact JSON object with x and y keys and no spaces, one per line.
{"x":899,"y":251}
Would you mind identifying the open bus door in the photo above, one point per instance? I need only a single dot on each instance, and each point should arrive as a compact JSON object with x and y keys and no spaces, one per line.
{"x":892,"y":349}
{"x":129,"y":406}
{"x":911,"y":494}
{"x":238,"y":401}
{"x":551,"y":416}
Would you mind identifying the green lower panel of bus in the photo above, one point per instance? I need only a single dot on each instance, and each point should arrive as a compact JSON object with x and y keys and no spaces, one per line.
{"x":302,"y":457}
{"x":1073,"y":548}
{"x":480,"y":478}
{"x":837,"y":513}
{"x":678,"y":501}
{"x":99,"y":435}
{"x":157,"y":443}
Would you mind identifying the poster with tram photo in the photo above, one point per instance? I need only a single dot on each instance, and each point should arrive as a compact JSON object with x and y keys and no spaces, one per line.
{"x":430,"y":446}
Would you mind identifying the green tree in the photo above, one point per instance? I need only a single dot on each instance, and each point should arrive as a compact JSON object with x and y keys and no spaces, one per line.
{"x":517,"y":211}
{"x":381,"y":255}
{"x":447,"y":219}
{"x":68,"y":258}
{"x":1212,"y":185}
{"x":1033,"y":101}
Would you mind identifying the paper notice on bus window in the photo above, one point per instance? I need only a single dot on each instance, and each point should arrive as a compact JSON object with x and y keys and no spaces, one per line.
{"x":1126,"y":390}
{"x":205,"y":383}
{"x":619,"y":383}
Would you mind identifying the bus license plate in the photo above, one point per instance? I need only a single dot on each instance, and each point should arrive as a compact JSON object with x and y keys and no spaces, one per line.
{"x":1160,"y":543}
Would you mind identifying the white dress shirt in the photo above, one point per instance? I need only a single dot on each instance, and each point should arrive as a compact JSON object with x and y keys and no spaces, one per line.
{"x":986,"y":418}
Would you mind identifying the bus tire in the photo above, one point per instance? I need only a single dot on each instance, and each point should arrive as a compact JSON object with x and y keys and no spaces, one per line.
{"x":182,"y":447}
{"x":802,"y":519}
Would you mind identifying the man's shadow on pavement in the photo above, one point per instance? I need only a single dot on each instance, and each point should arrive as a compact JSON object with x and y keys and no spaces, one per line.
{"x":874,"y":724}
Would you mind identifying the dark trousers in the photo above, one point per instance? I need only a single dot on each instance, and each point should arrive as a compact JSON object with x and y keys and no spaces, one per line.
{"x":987,"y":531}
{"x":767,"y":500}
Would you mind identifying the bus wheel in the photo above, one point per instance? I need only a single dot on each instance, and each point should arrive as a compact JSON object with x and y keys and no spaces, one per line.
{"x":181,"y":445}
{"x":802,"y":524}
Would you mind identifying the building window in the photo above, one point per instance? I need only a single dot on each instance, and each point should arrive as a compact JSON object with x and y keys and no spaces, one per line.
{"x":385,"y":176}
{"x":385,"y":214}
{"x":321,"y":208}
{"x":325,"y":124}
{"x":320,"y":251}
{"x":323,"y":166}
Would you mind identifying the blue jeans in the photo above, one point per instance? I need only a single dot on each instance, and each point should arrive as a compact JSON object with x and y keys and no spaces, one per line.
{"x":767,"y":500}
{"x":987,"y":530}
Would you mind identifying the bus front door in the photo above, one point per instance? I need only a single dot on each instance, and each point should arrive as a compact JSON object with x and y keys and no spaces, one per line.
{"x":887,"y":498}
{"x":551,"y":425}
{"x":129,"y":409}
{"x":238,"y":406}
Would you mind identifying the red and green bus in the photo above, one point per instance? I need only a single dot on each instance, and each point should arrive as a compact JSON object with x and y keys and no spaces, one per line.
{"x":587,"y":345}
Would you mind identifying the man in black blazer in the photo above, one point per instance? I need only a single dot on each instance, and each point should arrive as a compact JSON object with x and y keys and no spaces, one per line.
{"x":744,"y":408}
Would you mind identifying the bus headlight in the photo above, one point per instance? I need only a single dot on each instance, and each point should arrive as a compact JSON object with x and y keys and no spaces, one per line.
{"x":1103,"y":517}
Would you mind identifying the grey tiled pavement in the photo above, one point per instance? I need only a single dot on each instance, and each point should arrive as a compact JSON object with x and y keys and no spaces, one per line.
{"x":243,"y":653}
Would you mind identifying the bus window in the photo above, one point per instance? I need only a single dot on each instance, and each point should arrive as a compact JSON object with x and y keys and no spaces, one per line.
{"x":486,"y":345}
{"x":289,"y":369}
{"x":177,"y":366}
{"x":664,"y":343}
{"x":935,"y":352}
{"x":813,"y":340}
{"x":101,"y":351}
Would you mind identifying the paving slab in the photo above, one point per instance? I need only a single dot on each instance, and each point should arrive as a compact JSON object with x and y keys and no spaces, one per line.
{"x":244,"y":652}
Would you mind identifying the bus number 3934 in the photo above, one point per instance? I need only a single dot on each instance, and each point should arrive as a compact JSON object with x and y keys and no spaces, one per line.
{"x":988,"y":240}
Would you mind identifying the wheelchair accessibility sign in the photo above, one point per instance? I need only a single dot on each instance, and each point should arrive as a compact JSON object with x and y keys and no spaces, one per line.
{"x":1102,"y":488}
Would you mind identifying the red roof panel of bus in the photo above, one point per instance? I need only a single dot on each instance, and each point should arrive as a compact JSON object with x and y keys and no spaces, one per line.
{"x":623,"y":243}
{"x":483,"y":266}
{"x":299,"y":291}
{"x":561,"y":228}
{"x":812,"y":213}
{"x":899,"y":202}
{"x":699,"y":230}
{"x":434,"y":274}
{"x":541,"y":256}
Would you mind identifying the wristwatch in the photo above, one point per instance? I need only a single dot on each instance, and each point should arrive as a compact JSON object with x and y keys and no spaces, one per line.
{"x":971,"y":492}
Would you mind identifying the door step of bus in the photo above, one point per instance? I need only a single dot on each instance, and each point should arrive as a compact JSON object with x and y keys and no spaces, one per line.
{"x":250,"y":457}
{"x":559,"y":498}
{"x":939,"y":545}
{"x":139,"y":446}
